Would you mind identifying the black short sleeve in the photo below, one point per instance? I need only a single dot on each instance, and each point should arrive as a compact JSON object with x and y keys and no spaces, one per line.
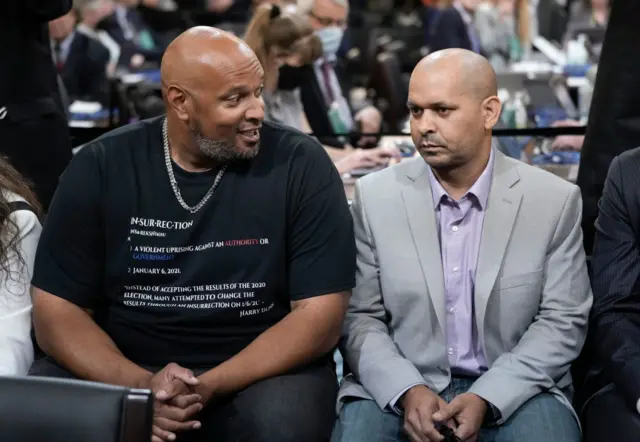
{"x":70,"y":257}
{"x":321,"y":245}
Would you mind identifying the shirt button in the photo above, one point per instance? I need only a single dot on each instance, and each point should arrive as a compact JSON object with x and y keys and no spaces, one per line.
{"x":454,"y":228}
{"x":455,"y":269}
{"x":450,"y":351}
{"x":451,"y":310}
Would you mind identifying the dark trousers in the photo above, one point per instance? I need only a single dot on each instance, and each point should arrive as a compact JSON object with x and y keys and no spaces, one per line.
{"x":39,"y":148}
{"x":295,"y":407}
{"x":607,"y":418}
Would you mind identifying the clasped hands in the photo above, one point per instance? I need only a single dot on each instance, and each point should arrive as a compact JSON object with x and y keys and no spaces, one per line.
{"x":423,"y":409}
{"x":179,"y":396}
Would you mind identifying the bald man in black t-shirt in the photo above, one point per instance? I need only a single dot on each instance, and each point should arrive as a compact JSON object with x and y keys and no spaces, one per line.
{"x":215,"y":252}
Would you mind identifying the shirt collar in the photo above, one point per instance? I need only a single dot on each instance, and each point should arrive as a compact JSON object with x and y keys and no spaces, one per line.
{"x":64,"y":45}
{"x":121,"y":12}
{"x":331,"y":61}
{"x":480,"y":189}
{"x":86,"y":30}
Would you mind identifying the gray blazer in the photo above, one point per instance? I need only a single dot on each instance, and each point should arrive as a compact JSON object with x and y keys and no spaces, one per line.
{"x":532,"y":294}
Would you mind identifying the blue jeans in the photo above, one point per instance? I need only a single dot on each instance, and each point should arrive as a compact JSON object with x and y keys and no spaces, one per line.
{"x":541,"y":419}
{"x":337,"y":358}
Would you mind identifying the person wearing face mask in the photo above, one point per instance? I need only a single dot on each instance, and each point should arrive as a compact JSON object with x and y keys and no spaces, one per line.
{"x":324,"y":89}
{"x":282,"y":38}
{"x":284,"y":41}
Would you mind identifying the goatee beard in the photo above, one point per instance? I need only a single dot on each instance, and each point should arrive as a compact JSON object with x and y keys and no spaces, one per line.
{"x":221,"y":151}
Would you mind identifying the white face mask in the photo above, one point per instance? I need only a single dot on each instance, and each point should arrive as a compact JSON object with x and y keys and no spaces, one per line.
{"x":331,"y":38}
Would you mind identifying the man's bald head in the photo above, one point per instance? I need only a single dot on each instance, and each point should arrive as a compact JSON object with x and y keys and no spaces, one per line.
{"x":475,"y":74}
{"x":212,"y":89}
{"x":454,"y":107}
{"x":200,"y":52}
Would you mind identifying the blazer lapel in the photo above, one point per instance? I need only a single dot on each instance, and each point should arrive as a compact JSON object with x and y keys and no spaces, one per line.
{"x":500,"y":216}
{"x":422,"y":222}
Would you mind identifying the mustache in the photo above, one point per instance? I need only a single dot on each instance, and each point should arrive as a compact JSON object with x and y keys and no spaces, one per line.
{"x":432,"y":139}
{"x":251,"y":123}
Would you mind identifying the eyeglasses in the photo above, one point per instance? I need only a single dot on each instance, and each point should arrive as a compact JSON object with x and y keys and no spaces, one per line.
{"x":328,"y":21}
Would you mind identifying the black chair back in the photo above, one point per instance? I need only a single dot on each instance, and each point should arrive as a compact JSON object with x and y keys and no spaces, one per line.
{"x":35,"y":409}
{"x":391,"y":90}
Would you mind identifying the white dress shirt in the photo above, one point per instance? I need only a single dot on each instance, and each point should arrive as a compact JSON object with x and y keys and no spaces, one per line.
{"x":16,"y":348}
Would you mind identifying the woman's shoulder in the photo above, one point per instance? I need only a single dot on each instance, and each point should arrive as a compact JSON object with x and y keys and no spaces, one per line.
{"x":13,"y":197}
{"x":20,"y":211}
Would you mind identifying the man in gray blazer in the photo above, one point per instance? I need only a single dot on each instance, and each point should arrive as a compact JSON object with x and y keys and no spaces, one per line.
{"x":472,"y":293}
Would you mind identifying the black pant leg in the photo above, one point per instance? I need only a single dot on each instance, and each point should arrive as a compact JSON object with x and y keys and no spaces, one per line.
{"x":47,"y":367}
{"x":295,"y":407}
{"x":607,"y":418}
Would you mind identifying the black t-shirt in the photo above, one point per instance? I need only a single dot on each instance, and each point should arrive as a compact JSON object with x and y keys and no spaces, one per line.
{"x":195,"y":289}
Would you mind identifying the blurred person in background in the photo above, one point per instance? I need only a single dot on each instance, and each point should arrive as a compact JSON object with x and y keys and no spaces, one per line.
{"x":91,"y":14}
{"x":496,"y":26}
{"x":281,"y":37}
{"x":19,"y":233}
{"x":587,"y":14}
{"x":81,"y":58}
{"x":161,"y":5}
{"x":230,"y":10}
{"x":568,"y":142}
{"x":137,"y":42}
{"x":455,"y":28}
{"x":325,"y":90}
{"x":33,"y":126}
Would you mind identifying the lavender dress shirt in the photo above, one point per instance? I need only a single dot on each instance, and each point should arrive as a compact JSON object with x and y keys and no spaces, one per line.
{"x":460,"y":230}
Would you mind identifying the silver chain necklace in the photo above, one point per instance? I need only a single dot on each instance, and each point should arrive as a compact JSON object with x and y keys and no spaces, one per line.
{"x":174,"y":183}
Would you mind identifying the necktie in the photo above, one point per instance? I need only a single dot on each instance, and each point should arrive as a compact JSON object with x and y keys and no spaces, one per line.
{"x":57,"y":48}
{"x":326,"y":78}
{"x":474,"y":39}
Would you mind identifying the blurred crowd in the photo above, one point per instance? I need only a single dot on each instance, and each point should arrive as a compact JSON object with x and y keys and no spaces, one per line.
{"x":333,"y":68}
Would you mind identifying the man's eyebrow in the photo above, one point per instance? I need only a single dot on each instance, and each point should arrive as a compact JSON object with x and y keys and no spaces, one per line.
{"x":240,"y":90}
{"x":234,"y":91}
{"x":437,"y":104}
{"x":440,"y":104}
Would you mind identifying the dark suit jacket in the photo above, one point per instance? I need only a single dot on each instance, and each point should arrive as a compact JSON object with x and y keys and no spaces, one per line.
{"x":615,"y":315}
{"x":130,"y":48}
{"x":33,"y":132}
{"x":28,"y":83}
{"x":315,"y":106}
{"x":84,"y":71}
{"x":449,"y":31}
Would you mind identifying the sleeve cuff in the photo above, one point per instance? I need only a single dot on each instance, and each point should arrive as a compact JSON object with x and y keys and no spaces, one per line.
{"x":394,"y":402}
{"x":493,"y":417}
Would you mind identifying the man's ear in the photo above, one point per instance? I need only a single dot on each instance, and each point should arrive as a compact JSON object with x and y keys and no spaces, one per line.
{"x":491,"y":109}
{"x":177,"y":100}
